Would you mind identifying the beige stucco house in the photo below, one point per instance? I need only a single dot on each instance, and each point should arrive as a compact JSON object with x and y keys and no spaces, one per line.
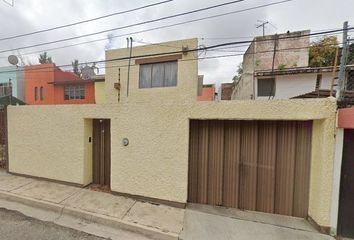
{"x":151,"y":138}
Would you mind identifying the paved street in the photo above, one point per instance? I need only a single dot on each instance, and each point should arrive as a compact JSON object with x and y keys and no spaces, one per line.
{"x":16,"y":226}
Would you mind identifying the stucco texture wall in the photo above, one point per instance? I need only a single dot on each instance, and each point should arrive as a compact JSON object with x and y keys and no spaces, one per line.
{"x":51,"y":141}
{"x":155,"y":163}
{"x":100,"y":95}
{"x":292,"y":85}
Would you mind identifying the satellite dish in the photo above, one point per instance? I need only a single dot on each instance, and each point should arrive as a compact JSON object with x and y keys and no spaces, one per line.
{"x":13,"y":60}
{"x":87,"y":72}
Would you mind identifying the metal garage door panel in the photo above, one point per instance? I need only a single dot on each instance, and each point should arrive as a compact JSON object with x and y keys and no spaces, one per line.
{"x":302,"y":168}
{"x":216,"y":156}
{"x":253,"y":165}
{"x":203,"y":153}
{"x":193,"y":161}
{"x":232,"y":134}
{"x":248,"y":171}
{"x":285,"y":163}
{"x":267,"y":142}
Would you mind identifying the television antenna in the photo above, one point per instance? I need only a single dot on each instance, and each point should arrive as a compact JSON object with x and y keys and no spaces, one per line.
{"x":263,"y":23}
{"x":10,"y":3}
{"x":87,"y":72}
{"x":13,"y":60}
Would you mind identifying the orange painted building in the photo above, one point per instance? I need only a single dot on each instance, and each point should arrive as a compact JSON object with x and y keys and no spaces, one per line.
{"x":208,"y":93}
{"x":47,"y":84}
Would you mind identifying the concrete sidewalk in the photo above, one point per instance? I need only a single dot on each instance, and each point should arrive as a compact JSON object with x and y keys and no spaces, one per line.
{"x":66,"y":205}
{"x":209,"y":223}
{"x":106,"y":215}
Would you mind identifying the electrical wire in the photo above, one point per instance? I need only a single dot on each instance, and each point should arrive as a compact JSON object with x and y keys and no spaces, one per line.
{"x":85,"y":21}
{"x":177,"y":52}
{"x":131,"y":25}
{"x":148,"y":30}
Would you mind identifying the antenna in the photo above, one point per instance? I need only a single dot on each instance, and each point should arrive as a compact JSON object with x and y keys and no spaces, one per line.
{"x":87,"y":72}
{"x":13,"y":60}
{"x":21,"y":58}
{"x":263,"y":24}
{"x":12,"y":3}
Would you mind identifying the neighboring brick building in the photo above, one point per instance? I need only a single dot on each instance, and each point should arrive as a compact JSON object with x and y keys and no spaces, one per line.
{"x":208,"y":93}
{"x":226,"y":91}
{"x":47,"y":84}
{"x":268,"y":53}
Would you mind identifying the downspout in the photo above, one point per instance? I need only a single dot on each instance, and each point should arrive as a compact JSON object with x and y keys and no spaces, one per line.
{"x":273,"y":62}
{"x":130,"y":58}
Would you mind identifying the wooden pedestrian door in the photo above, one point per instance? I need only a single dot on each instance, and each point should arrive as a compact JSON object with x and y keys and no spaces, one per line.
{"x":254,"y":165}
{"x":101,"y":151}
{"x":346,"y":199}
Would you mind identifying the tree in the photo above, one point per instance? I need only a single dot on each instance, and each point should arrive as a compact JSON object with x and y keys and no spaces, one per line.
{"x":75,"y":65}
{"x":323,"y":52}
{"x":44,"y":58}
{"x":237,"y":77}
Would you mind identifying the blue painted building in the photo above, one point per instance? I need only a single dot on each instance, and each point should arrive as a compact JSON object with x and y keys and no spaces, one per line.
{"x":16,"y":76}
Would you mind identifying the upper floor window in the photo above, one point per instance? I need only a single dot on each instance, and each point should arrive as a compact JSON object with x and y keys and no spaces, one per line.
{"x":41,"y":94}
{"x":265,"y":87}
{"x":5,"y":89}
{"x":35,"y":93}
{"x":74,"y":92}
{"x":158,"y":75}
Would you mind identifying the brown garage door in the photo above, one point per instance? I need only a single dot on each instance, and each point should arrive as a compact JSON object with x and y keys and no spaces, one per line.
{"x":254,"y":165}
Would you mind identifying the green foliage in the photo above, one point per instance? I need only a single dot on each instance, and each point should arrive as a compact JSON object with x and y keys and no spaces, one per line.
{"x":282,"y":66}
{"x":237,"y":77}
{"x":44,"y":58}
{"x":323,"y":52}
{"x":75,"y":65}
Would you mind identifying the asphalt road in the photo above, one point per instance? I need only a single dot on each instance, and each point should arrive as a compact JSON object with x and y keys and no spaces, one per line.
{"x":16,"y":226}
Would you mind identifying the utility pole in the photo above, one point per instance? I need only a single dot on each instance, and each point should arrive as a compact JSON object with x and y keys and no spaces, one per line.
{"x":343,"y":63}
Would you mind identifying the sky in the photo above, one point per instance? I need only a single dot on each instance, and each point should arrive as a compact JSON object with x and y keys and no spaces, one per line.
{"x":33,"y":15}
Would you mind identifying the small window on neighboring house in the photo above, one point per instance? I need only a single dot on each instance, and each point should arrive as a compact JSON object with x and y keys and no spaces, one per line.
{"x":5,"y":89}
{"x":41,"y":94}
{"x":35,"y":93}
{"x":318,"y":82}
{"x":158,"y":75}
{"x":74,"y":92}
{"x":265,"y":87}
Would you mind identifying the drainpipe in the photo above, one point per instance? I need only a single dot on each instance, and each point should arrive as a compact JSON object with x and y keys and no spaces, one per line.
{"x":273,"y":62}
{"x":130,"y":58}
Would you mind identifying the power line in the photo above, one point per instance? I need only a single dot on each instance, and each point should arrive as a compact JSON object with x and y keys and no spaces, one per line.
{"x":182,"y":51}
{"x":131,"y":25}
{"x":85,"y":21}
{"x":154,"y":28}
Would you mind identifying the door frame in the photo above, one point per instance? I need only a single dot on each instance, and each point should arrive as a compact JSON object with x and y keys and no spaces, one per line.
{"x":101,"y":151}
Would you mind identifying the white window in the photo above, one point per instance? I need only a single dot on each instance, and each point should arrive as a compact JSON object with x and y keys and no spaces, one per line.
{"x":74,"y":92}
{"x":158,"y":75}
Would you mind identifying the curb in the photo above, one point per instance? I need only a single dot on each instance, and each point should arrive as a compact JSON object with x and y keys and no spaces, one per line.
{"x":89,"y":216}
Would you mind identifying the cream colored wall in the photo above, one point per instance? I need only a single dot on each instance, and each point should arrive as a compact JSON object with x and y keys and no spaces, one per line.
{"x":100,"y":95}
{"x":322,"y":164}
{"x":49,"y":141}
{"x":87,"y":168}
{"x":46,"y":141}
{"x":187,"y":76}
